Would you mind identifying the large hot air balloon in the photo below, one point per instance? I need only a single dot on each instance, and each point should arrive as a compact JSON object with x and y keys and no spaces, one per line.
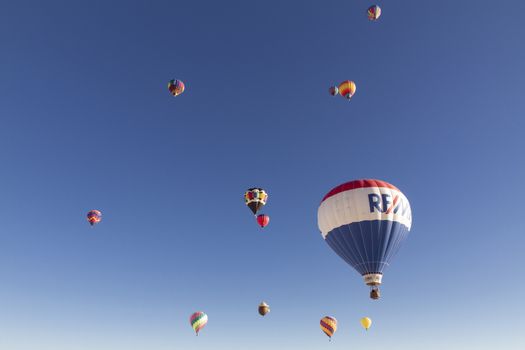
{"x":176,"y":87}
{"x":263,"y":308}
{"x":366,"y":322}
{"x":94,"y":217}
{"x":374,"y":12}
{"x":347,"y":89}
{"x":365,"y":222}
{"x":255,"y":199}
{"x":263,"y":220}
{"x":198,"y":320}
{"x":329,"y":326}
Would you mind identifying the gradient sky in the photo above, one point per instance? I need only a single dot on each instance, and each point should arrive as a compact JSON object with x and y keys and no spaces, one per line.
{"x":87,"y":122}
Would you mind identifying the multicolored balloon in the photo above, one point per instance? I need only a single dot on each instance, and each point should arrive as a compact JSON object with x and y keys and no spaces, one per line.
{"x":255,"y":199}
{"x":329,"y":326}
{"x":263,"y":308}
{"x":176,"y":87}
{"x":374,"y":12}
{"x":347,"y":89}
{"x":333,"y":90}
{"x":198,"y":320}
{"x":263,"y":220}
{"x":94,"y":217}
{"x":365,"y":222}
{"x":366,"y":323}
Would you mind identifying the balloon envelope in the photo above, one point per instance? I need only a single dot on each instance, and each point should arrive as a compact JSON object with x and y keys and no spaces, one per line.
{"x":176,"y":87}
{"x":255,"y":199}
{"x":329,"y":325}
{"x":347,"y":89}
{"x":198,"y":320}
{"x":263,"y":220}
{"x":374,"y":12}
{"x":94,"y":217}
{"x":366,"y":322}
{"x":365,"y":222}
{"x":263,"y":308}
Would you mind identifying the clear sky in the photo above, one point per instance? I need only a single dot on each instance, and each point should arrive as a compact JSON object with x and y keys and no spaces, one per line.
{"x":87,"y":123}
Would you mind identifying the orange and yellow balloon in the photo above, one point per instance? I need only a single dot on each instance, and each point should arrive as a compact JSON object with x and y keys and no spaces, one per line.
{"x":347,"y":89}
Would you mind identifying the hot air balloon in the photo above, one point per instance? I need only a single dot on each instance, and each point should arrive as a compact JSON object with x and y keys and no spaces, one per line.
{"x":263,"y":220}
{"x":198,"y":320}
{"x":366,"y":322}
{"x":263,"y":308}
{"x":365,"y":222}
{"x":255,"y":199}
{"x":347,"y":89}
{"x":329,"y":326}
{"x":176,"y":87}
{"x":374,"y":12}
{"x":333,"y":90}
{"x":94,"y":217}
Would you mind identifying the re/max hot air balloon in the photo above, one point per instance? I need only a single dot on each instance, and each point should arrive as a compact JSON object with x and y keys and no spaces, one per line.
{"x":255,"y":199}
{"x":329,"y":326}
{"x":263,"y":308}
{"x":176,"y":87}
{"x":333,"y":90}
{"x":374,"y":12}
{"x":198,"y":320}
{"x":94,"y":217}
{"x":366,"y":322}
{"x":365,"y":222}
{"x":263,"y":220}
{"x":347,"y":89}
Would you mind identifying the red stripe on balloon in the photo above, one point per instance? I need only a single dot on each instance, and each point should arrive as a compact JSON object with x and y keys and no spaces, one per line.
{"x":352,"y":185}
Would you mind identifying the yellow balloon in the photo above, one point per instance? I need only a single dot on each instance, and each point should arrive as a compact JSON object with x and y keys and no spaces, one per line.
{"x":366,"y":322}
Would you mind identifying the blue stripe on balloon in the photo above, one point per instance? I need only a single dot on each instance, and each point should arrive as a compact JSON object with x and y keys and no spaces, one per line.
{"x":368,"y":246}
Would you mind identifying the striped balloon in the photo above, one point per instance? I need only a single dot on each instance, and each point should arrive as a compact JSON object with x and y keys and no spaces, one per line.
{"x":198,"y":320}
{"x":365,"y":222}
{"x":94,"y":217}
{"x":176,"y":87}
{"x":347,"y":89}
{"x":329,"y":326}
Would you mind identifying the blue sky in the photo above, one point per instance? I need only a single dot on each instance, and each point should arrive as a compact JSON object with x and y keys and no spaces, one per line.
{"x":87,"y":122}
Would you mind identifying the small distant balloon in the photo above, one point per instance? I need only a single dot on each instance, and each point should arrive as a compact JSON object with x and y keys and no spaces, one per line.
{"x":94,"y":217}
{"x":198,"y":320}
{"x":366,"y":322}
{"x":347,"y":89}
{"x":263,"y":308}
{"x":255,"y":198}
{"x":263,"y":220}
{"x":374,"y":12}
{"x":176,"y":87}
{"x":329,"y":326}
{"x":333,"y":90}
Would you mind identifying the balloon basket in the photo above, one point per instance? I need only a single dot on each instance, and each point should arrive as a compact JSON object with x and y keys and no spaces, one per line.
{"x":375,"y":294}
